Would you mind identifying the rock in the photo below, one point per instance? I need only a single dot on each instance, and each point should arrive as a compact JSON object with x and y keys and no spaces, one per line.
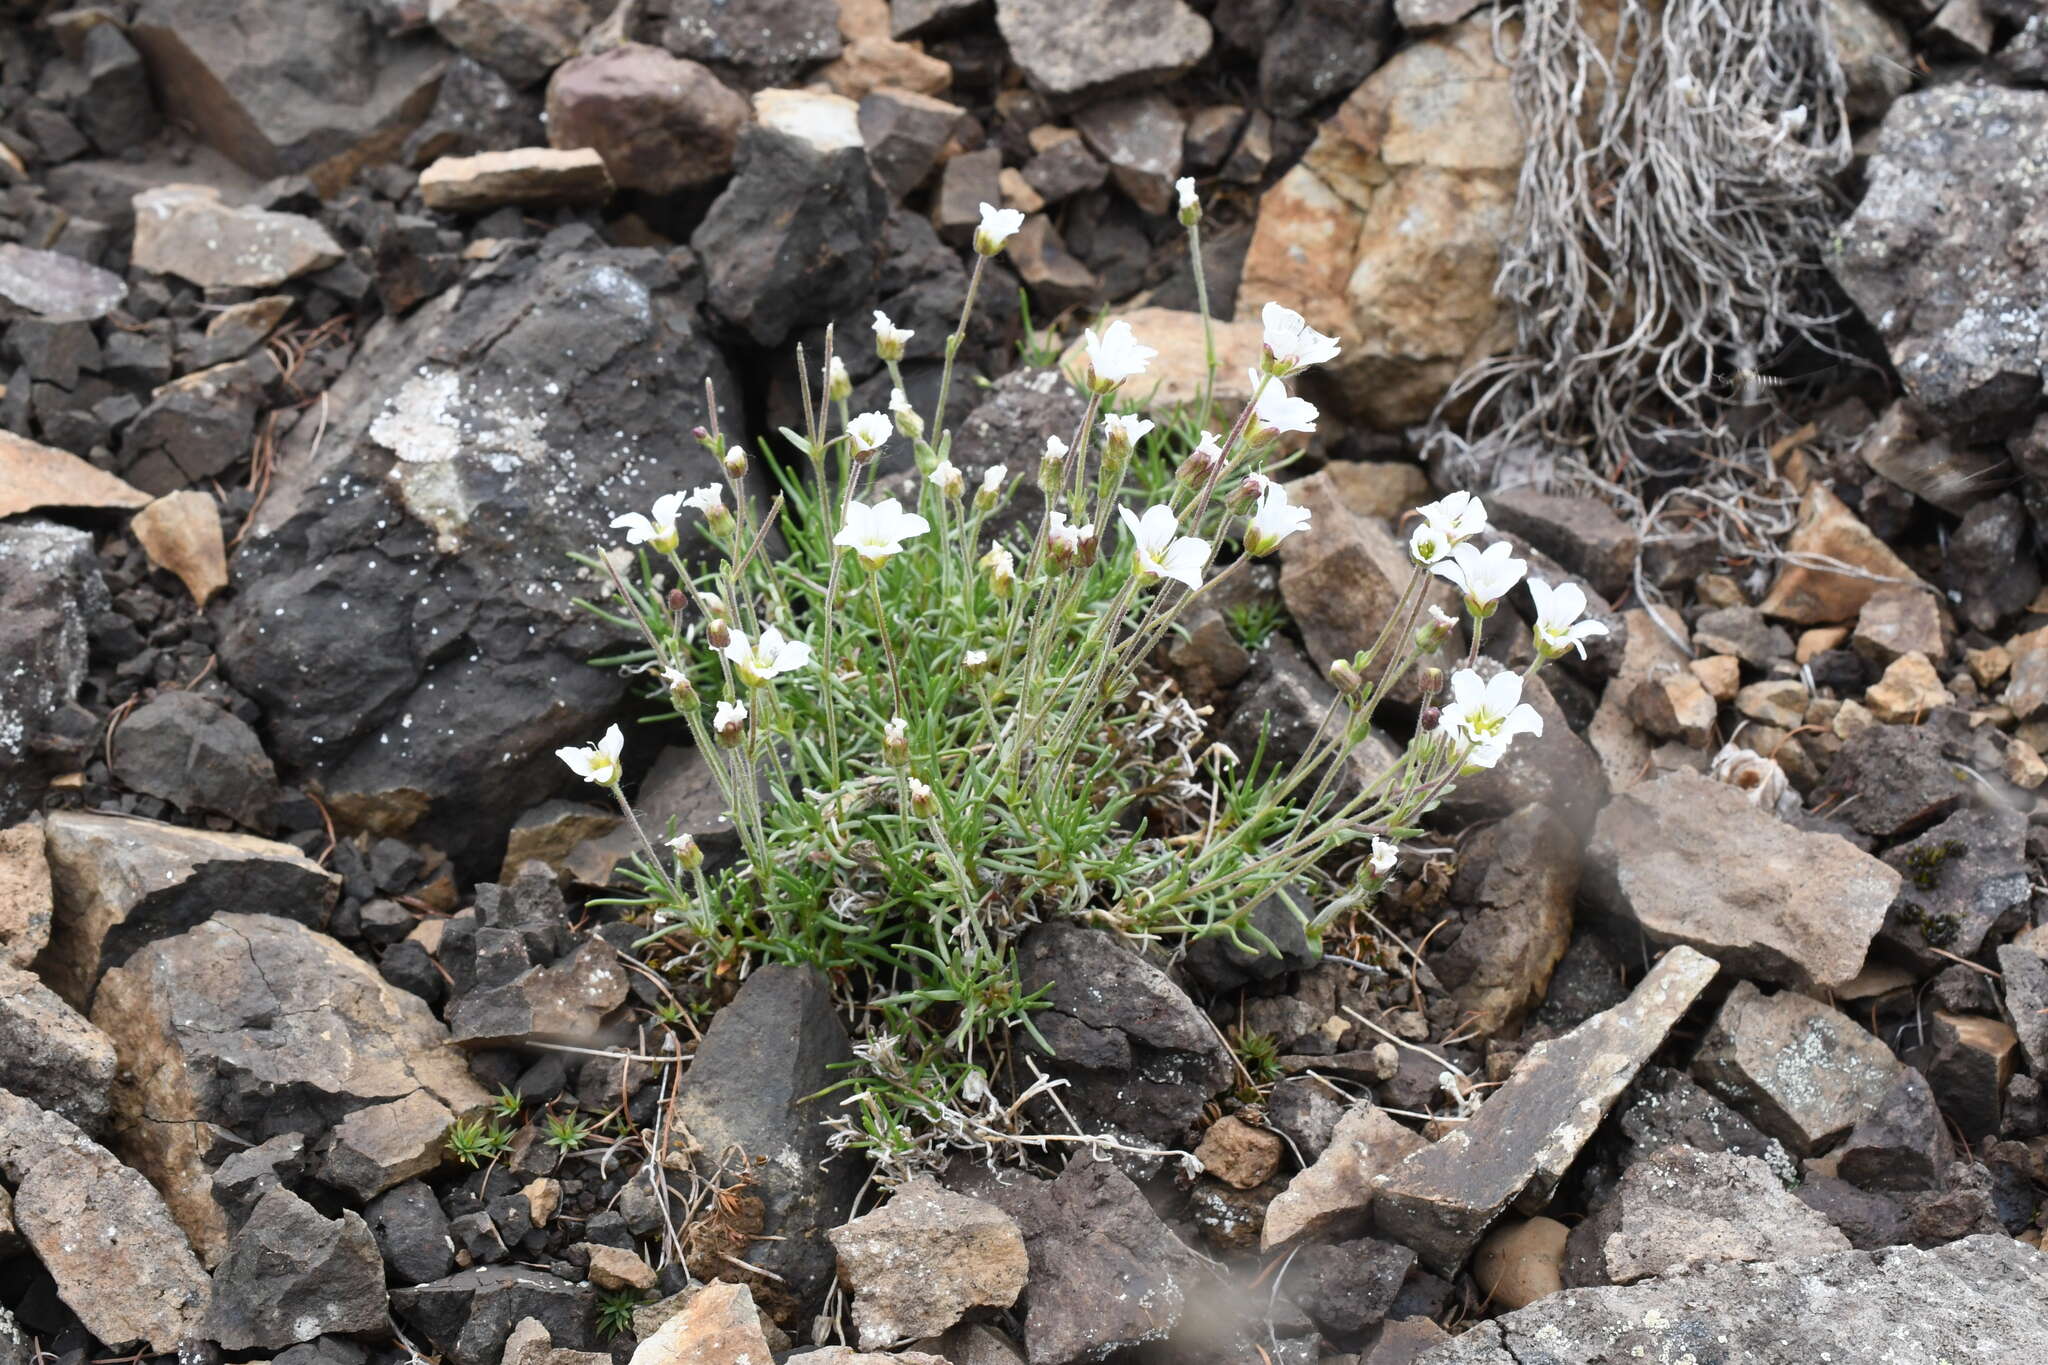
{"x":680,"y":792}
{"x":51,"y":1056}
{"x":474,"y":110}
{"x":531,"y":1344}
{"x":324,"y":95}
{"x":57,"y":287}
{"x":412,"y":1233}
{"x":1674,"y":705}
{"x":292,"y":1275}
{"x":904,"y":134}
{"x":1139,"y":138}
{"x":765,"y":43}
{"x":1871,"y":1222}
{"x":522,"y":40}
{"x":1901,"y":1144}
{"x":1521,"y":877}
{"x":1520,"y":1261}
{"x":1874,"y":52}
{"x":1080,"y":51}
{"x":1921,"y":460}
{"x":967,"y":180}
{"x":1816,"y":596}
{"x":720,"y":1326}
{"x":1966,"y":325}
{"x":183,"y":748}
{"x":653,"y":1317}
{"x":1743,"y":632}
{"x":1665,"y":1108}
{"x":1061,"y":165}
{"x":181,"y":532}
{"x":1441,"y":1200}
{"x":101,"y":1232}
{"x":563,"y":1001}
{"x":1974,"y":1058}
{"x":1899,"y":779}
{"x":26,"y":902}
{"x":1582,"y":534}
{"x":661,"y":123}
{"x":1680,"y":1210}
{"x":186,"y":230}
{"x":471,"y":1314}
{"x":618,"y":1268}
{"x":1964,"y":881}
{"x":1686,"y":859}
{"x":531,"y":175}
{"x":1899,"y":621}
{"x":1175,"y":377}
{"x":121,"y":883}
{"x":1140,"y":1060}
{"x":1804,"y":1073}
{"x":1056,"y":278}
{"x":1909,"y":689}
{"x":756,"y":1089}
{"x":2026,"y":692}
{"x":50,"y":590}
{"x":1774,"y":701}
{"x":1388,"y":233}
{"x":380,"y":1145}
{"x":792,"y":240}
{"x":921,"y":1261}
{"x":1239,"y":1154}
{"x":1349,"y":1286}
{"x":551,"y":831}
{"x":846,"y":1355}
{"x":196,"y":426}
{"x":261,"y":1026}
{"x":35,"y":476}
{"x":527,"y":408}
{"x":2025,"y":981}
{"x":873,"y":60}
{"x":1105,"y":1272}
{"x":1989,"y":563}
{"x":1320,"y":50}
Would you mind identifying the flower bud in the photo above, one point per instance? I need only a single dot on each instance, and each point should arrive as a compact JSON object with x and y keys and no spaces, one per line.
{"x":1052,"y":464}
{"x":1002,"y":571}
{"x":838,"y":383}
{"x":922,"y":802}
{"x":1430,"y":718}
{"x":1085,"y":548}
{"x":975,"y":661}
{"x":1190,"y":203}
{"x":1430,"y":681}
{"x":718,"y":632}
{"x":677,"y":599}
{"x":946,"y":477}
{"x":991,"y":485}
{"x":896,"y":742}
{"x":681,"y":692}
{"x":735,"y":463}
{"x":1203,"y":463}
{"x":1345,"y":678}
{"x":689,"y":857}
{"x":1248,"y":491}
{"x":730,"y":723}
{"x":908,"y":423}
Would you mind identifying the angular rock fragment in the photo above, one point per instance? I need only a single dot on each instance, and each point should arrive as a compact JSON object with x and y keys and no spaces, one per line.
{"x":921,"y":1261}
{"x":1441,"y":1200}
{"x":181,"y":532}
{"x":530,"y":175}
{"x":1892,"y":781}
{"x":1808,"y":594}
{"x":662,"y":123}
{"x":412,"y":1234}
{"x":522,"y":40}
{"x":1804,"y":1073}
{"x":292,"y":1275}
{"x":1521,"y":876}
{"x":50,"y":1055}
{"x":1686,"y":859}
{"x":50,"y":589}
{"x":563,"y":1001}
{"x":1962,"y":882}
{"x":56,"y":287}
{"x":186,"y":230}
{"x":35,"y":476}
{"x":1974,"y":1059}
{"x":1074,"y":52}
{"x":183,"y":748}
{"x":1902,"y":1144}
{"x":767,"y":42}
{"x":25,"y":897}
{"x":2024,"y":976}
{"x":470,"y":1315}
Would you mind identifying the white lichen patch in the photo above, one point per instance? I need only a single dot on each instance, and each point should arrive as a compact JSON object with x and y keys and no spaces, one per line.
{"x":436,"y":430}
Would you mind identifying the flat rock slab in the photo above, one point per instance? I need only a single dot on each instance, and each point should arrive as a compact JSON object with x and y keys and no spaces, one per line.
{"x":920,"y":1262}
{"x":57,"y":287}
{"x":1973,"y":1302}
{"x":33,"y":476}
{"x":1690,"y":860}
{"x":526,"y":175}
{"x":185,"y":230}
{"x":1801,"y":1071}
{"x":1526,"y":1136}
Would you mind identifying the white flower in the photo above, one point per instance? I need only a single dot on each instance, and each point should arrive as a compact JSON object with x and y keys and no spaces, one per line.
{"x":1446,"y":523}
{"x":975,"y":660}
{"x":1002,"y":569}
{"x":728,"y":718}
{"x":1558,"y":627}
{"x":1190,"y":204}
{"x":889,"y":338}
{"x":991,"y":485}
{"x":946,"y":477}
{"x":1484,"y":576}
{"x":1273,"y":522}
{"x":688,"y":855}
{"x":1115,"y":355}
{"x":1275,"y":412}
{"x":1064,"y":540}
{"x":709,"y":500}
{"x":868,"y":431}
{"x":1383,"y":856}
{"x":1055,"y":449}
{"x":659,"y":531}
{"x":735,"y":463}
{"x":1159,"y":551}
{"x":1123,"y":430}
{"x":1291,"y":344}
{"x":907,"y":420}
{"x":1443,"y":619}
{"x":895,"y":730}
{"x":599,"y":764}
{"x":997,"y":227}
{"x":756,"y":661}
{"x":1486,"y":714}
{"x":874,"y":533}
{"x":838,"y":383}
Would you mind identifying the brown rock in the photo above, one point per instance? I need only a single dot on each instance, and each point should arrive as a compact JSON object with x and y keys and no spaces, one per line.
{"x":26,"y":903}
{"x":617,"y":1268}
{"x":1720,"y":674}
{"x":1521,"y":877}
{"x":1240,"y":1154}
{"x":1174,"y":379}
{"x":531,"y":1344}
{"x":1520,"y":1261}
{"x":2026,"y":690}
{"x":966,"y":182}
{"x":1526,"y":1135}
{"x":1582,"y":534}
{"x":50,"y":1055}
{"x":918,"y":1264}
{"x":1896,"y":621}
{"x":34,"y":476}
{"x":662,"y":123}
{"x":1057,"y":279}
{"x":186,"y":230}
{"x":721,"y":1326}
{"x":872,"y":59}
{"x":181,"y":532}
{"x":552,"y":831}
{"x":1974,"y":1060}
{"x":1370,"y":488}
{"x":1674,"y":705}
{"x":384,"y":1145}
{"x":527,"y":175}
{"x":1816,"y":596}
{"x":1774,"y":701}
{"x":1909,"y":689}
{"x":1802,"y":1072}
{"x":1333,"y":1196}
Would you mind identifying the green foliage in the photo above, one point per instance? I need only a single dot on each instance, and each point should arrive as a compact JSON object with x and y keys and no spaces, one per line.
{"x":615,"y":1312}
{"x":1255,"y":622}
{"x":506,"y":1102}
{"x":472,"y":1141}
{"x":565,"y":1133}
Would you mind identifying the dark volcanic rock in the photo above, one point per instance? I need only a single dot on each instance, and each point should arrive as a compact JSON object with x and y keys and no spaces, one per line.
{"x":469,"y":1315}
{"x":50,"y":590}
{"x":198,"y":757}
{"x":473,"y":447}
{"x":49,"y":1054}
{"x":1141,"y":1059}
{"x":412,"y":1233}
{"x":1348,"y":1286}
{"x":1964,"y":880}
{"x":1891,"y":781}
{"x":762,"y":42}
{"x":291,"y":1275}
{"x":1322,"y":49}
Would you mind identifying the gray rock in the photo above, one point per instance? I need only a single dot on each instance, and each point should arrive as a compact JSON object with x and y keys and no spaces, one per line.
{"x":1902,"y":1144}
{"x":196,"y":426}
{"x":522,"y":40}
{"x":260,"y":1026}
{"x":1870,"y":1221}
{"x":1680,"y":1210}
{"x":525,"y":410}
{"x":1074,"y":52}
{"x":1526,"y":1135}
{"x":57,"y":287}
{"x":1900,"y":781}
{"x":914,"y":18}
{"x":185,"y":230}
{"x":904,"y":133}
{"x":1347,"y":1287}
{"x":412,"y":1234}
{"x":101,"y":1231}
{"x":324,"y":95}
{"x":475,"y":110}
{"x":1141,"y":1061}
{"x":1963,"y":882}
{"x":1804,"y":1073}
{"x":920,"y":1262}
{"x":661,"y":123}
{"x":792,"y":240}
{"x":564,"y":1001}
{"x":1874,"y":52}
{"x":1139,"y":138}
{"x":291,"y":1275}
{"x":1973,"y":1062}
{"x":1743,"y":632}
{"x":1933,"y":256}
{"x":1064,"y":167}
{"x":1582,"y":534}
{"x":753,"y":1091}
{"x":2025,"y":980}
{"x":120,"y":883}
{"x":1666,"y":1108}
{"x":1321,"y":50}
{"x":1519,"y":878}
{"x":1974,"y":1300}
{"x":470,"y":1315}
{"x":249,"y":1174}
{"x":198,"y":757}
{"x":50,"y":1055}
{"x":1686,"y":859}
{"x":50,"y":589}
{"x":766,"y":42}
{"x":115,"y":108}
{"x":967,"y":180}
